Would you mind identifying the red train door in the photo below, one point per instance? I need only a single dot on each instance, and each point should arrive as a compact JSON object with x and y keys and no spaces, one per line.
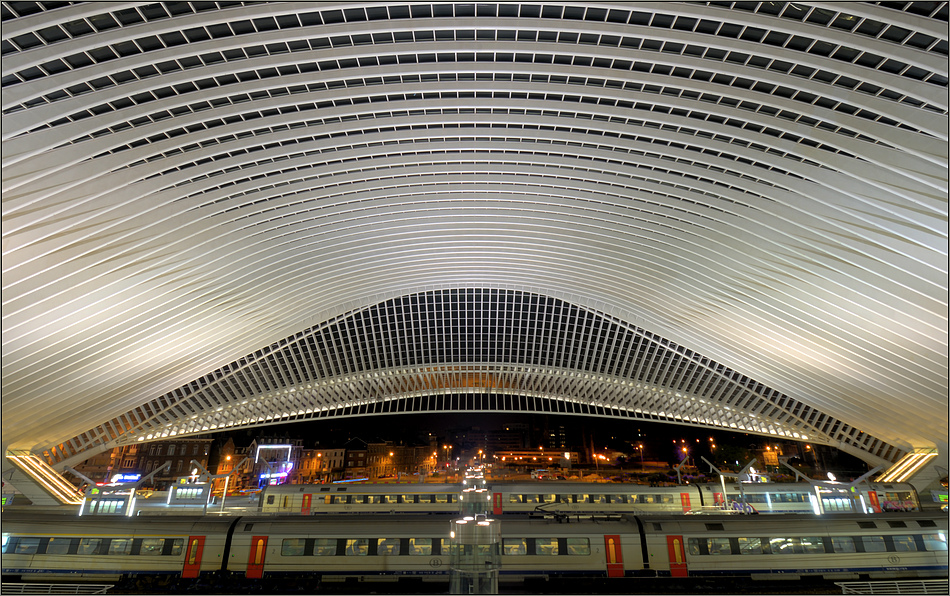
{"x":255,"y":560}
{"x":684,"y":499}
{"x":305,"y":508}
{"x":718,"y":499}
{"x":496,"y":504}
{"x":873,"y":501}
{"x":677,"y":556}
{"x":193,"y":550}
{"x":614,"y":555}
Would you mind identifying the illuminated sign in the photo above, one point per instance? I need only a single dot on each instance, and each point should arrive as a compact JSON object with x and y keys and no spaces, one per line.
{"x":126,"y":478}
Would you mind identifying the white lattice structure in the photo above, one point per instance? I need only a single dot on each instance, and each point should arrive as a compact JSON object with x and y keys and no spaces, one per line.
{"x":721,"y":214}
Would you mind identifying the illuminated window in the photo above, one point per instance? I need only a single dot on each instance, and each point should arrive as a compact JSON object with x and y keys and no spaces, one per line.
{"x":293,"y":547}
{"x":58,"y":546}
{"x":88,"y":546}
{"x":27,"y":546}
{"x":812,"y":545}
{"x":904,"y":544}
{"x":719,"y":546}
{"x":750,"y":546}
{"x":152,"y":546}
{"x":545,"y":546}
{"x":514,"y":546}
{"x":420,"y":546}
{"x":873,"y":544}
{"x":120,"y":546}
{"x":578,"y":546}
{"x":387,"y":546}
{"x":324,"y":547}
{"x":935,"y":542}
{"x":843,"y":544}
{"x":357,"y":547}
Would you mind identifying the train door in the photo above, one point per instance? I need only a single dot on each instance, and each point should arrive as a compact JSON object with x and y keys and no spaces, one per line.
{"x":496,"y":504}
{"x":305,"y":507}
{"x":614,"y":555}
{"x":873,"y":501}
{"x":255,"y":560}
{"x":677,"y":556}
{"x":196,"y":545}
{"x":684,"y":499}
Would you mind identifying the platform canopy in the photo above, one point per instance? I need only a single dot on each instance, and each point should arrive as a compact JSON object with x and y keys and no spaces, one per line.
{"x":723,"y":214}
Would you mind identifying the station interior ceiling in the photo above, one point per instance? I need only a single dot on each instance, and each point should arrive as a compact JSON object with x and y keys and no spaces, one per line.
{"x":721,"y":214}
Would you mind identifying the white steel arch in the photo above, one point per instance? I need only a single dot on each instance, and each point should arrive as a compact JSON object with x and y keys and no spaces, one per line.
{"x":763,"y":184}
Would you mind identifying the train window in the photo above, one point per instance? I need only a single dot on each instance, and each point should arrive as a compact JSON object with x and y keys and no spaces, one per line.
{"x":324,"y":547}
{"x":904,"y":544}
{"x":514,"y":546}
{"x":668,"y":499}
{"x":785,"y":546}
{"x":441,"y":498}
{"x":339,"y":499}
{"x":408,"y":498}
{"x":598,"y":499}
{"x":175,"y":547}
{"x":812,"y":545}
{"x":152,"y":546}
{"x":390,"y":499}
{"x":632,"y":499}
{"x":843,"y":544}
{"x":531,"y":498}
{"x":578,"y":546}
{"x":693,"y":546}
{"x":192,"y":557}
{"x":27,"y":546}
{"x":564,"y":499}
{"x":750,"y":546}
{"x":545,"y":546}
{"x":719,"y":546}
{"x":874,"y":544}
{"x":58,"y":546}
{"x":549,"y":498}
{"x":420,"y":546}
{"x":387,"y":546}
{"x":270,"y":499}
{"x":373,"y":499}
{"x":89,"y":546}
{"x":934,"y":542}
{"x":927,"y":523}
{"x":514,"y":499}
{"x":293,"y":547}
{"x":120,"y":546}
{"x":896,"y":524}
{"x":357,"y":547}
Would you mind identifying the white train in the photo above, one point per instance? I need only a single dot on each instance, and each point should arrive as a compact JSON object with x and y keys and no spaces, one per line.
{"x":576,"y":497}
{"x":53,"y":547}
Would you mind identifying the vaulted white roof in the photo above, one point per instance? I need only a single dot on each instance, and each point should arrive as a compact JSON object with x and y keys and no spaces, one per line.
{"x":728,"y":214}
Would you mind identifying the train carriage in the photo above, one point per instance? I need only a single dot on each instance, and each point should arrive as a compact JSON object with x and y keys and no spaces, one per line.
{"x":47,"y":547}
{"x":779,"y":547}
{"x":896,"y":545}
{"x":314,"y":499}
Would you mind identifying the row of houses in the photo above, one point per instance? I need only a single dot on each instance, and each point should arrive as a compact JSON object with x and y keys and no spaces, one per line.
{"x":266,"y":460}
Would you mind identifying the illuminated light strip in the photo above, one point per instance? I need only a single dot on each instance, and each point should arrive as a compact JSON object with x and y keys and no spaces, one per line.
{"x":52,"y":482}
{"x":909,"y":465}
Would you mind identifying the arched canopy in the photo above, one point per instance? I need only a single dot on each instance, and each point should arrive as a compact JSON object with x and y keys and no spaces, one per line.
{"x":741,"y":207}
